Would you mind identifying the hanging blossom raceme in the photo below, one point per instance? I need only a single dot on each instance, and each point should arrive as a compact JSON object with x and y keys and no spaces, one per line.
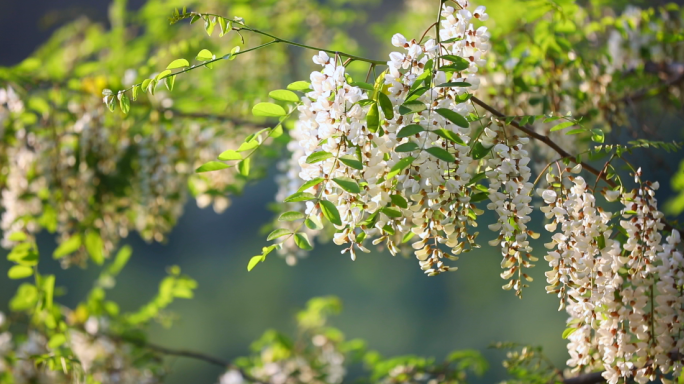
{"x":408,"y":174}
{"x":509,"y":193}
{"x":623,"y":296}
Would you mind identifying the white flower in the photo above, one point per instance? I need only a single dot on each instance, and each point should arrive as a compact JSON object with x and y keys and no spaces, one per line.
{"x":399,"y":41}
{"x":232,"y":377}
{"x":479,"y":13}
{"x":322,"y":58}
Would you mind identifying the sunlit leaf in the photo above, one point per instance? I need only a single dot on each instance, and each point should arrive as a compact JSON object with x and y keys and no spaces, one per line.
{"x":268,"y":110}
{"x":212,"y":166}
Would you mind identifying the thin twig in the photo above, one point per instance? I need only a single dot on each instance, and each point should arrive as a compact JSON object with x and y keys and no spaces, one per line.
{"x":543,"y":138}
{"x":190,"y":355}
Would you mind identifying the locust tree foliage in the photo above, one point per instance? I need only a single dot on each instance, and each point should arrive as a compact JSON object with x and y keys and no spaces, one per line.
{"x":406,"y":156}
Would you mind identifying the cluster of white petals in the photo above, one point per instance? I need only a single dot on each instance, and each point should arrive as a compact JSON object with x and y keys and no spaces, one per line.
{"x":99,"y":357}
{"x":407,"y":178}
{"x":88,"y":152}
{"x":509,"y":194}
{"x":622,"y":290}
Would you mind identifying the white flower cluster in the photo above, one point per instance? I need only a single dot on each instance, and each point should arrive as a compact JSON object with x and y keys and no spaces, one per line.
{"x":409,"y":174}
{"x":623,"y":296}
{"x":327,"y":366}
{"x":99,"y":357}
{"x":85,"y":153}
{"x":509,"y":195}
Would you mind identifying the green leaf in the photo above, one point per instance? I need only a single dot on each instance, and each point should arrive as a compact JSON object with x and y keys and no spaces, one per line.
{"x":313,"y":223}
{"x":458,"y":64}
{"x":25,"y":298}
{"x":399,"y":201}
{"x":575,"y":131}
{"x":597,"y":135}
{"x":299,"y":196}
{"x":479,"y":151}
{"x":223,"y":24}
{"x":163,"y":74}
{"x":302,"y":241}
{"x":370,"y":220}
{"x":146,"y":84}
{"x":562,"y":126}
{"x":178,"y":63}
{"x":17,"y":236}
{"x":57,"y":341}
{"x":153,"y":86}
{"x":410,"y":130}
{"x":416,"y":93}
{"x":412,"y":107}
{"x":291,"y":216}
{"x":248,"y":145}
{"x":71,"y":245}
{"x":19,"y":272}
{"x":454,"y":117}
{"x":254,"y":261}
{"x":49,"y":289}
{"x":310,"y":183}
{"x":233,"y":53}
{"x":268,"y":110}
{"x":462,"y":98}
{"x":352,"y":162}
{"x":284,"y":95}
{"x":386,"y":105}
{"x":280,"y":232}
{"x":95,"y":247}
{"x":399,"y":166}
{"x":124,"y":103}
{"x":24,"y":254}
{"x":362,"y":85}
{"x":317,"y":157}
{"x":600,"y":241}
{"x":568,"y":332}
{"x":120,"y":260}
{"x":204,"y":55}
{"x":209,"y":25}
{"x":373,"y":118}
{"x":330,"y":212}
{"x":134,"y":92}
{"x":391,"y":212}
{"x":449,"y":135}
{"x":169,"y":82}
{"x":301,"y":86}
{"x":212,"y":166}
{"x":406,"y":147}
{"x":477,"y":178}
{"x":347,"y":184}
{"x":441,"y":154}
{"x":457,"y":84}
{"x":452,"y":40}
{"x":243,"y":166}
{"x":230,"y":155}
{"x":479,"y":197}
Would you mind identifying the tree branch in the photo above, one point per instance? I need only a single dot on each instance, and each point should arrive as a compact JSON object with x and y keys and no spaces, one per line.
{"x":589,"y":378}
{"x":543,"y":138}
{"x":527,"y":129}
{"x":190,"y":355}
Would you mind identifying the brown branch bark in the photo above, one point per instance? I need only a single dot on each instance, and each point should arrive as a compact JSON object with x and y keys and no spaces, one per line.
{"x":589,"y":378}
{"x":529,"y":131}
{"x":189,"y":354}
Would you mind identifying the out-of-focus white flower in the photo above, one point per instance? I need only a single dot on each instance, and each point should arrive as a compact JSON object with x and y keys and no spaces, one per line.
{"x":232,"y":377}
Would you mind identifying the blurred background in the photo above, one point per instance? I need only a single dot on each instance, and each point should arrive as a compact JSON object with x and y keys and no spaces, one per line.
{"x":387,"y":300}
